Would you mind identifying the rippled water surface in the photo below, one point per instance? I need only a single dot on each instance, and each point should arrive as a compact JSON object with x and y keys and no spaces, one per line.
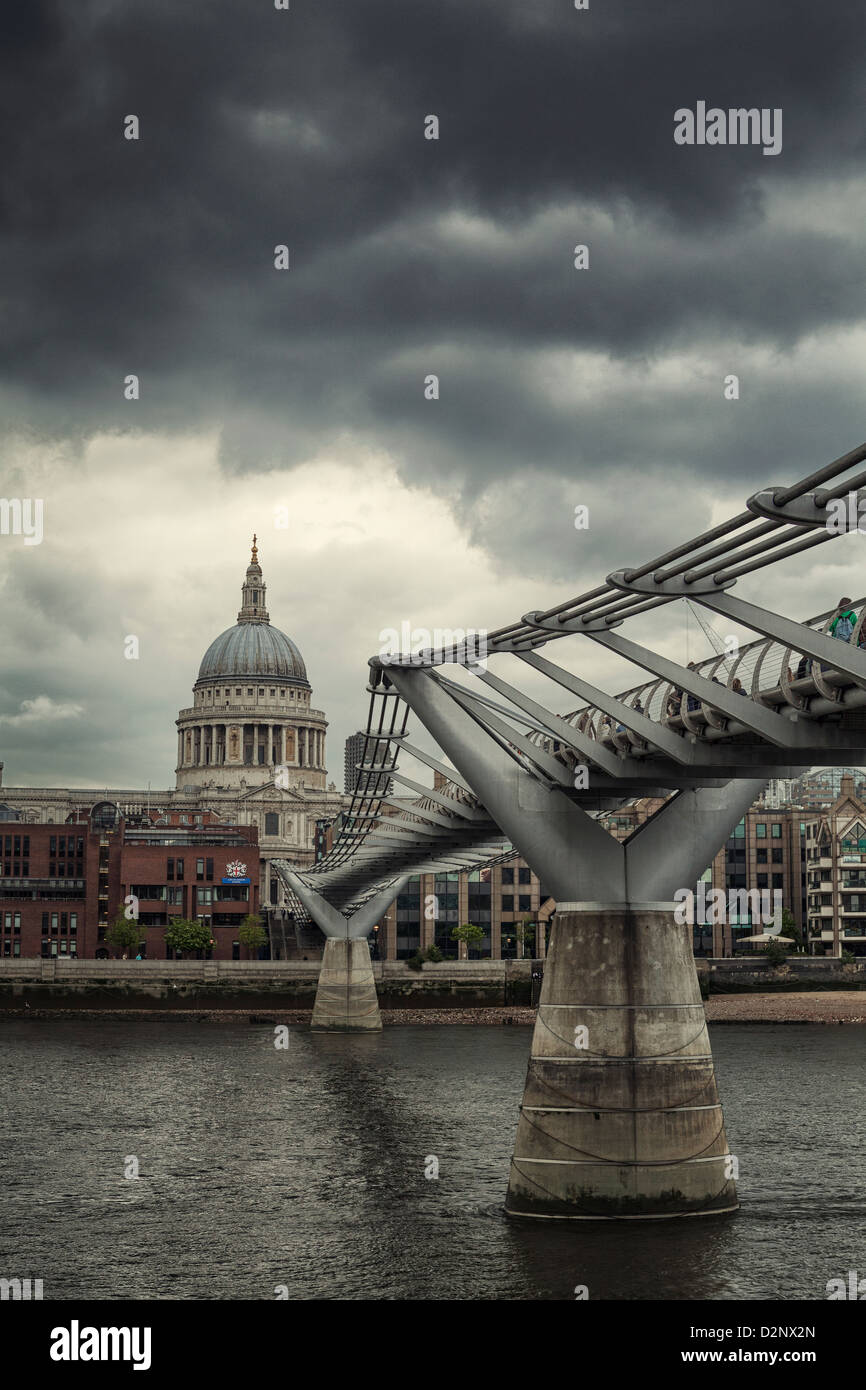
{"x":305,"y":1167}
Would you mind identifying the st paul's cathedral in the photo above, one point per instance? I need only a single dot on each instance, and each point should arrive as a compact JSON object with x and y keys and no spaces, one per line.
{"x":250,"y":748}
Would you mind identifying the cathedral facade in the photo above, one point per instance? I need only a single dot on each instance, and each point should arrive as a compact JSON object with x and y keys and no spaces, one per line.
{"x":250,"y":749}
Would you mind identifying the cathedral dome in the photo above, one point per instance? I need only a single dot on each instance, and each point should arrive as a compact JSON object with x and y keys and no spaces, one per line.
{"x":253,"y":649}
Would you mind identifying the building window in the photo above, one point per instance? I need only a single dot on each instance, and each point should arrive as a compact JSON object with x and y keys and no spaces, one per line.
{"x":180,"y":869}
{"x":761,"y":856}
{"x":170,"y":871}
{"x":776,"y":830}
{"x":777,"y":856}
{"x":199,"y":869}
{"x":762,"y":880}
{"x":761,"y":831}
{"x":272,"y":823}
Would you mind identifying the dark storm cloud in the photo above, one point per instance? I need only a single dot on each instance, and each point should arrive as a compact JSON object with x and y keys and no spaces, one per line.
{"x":305,"y":127}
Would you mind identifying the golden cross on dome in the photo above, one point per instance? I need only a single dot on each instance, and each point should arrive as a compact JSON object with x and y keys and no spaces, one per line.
{"x":255,"y":551}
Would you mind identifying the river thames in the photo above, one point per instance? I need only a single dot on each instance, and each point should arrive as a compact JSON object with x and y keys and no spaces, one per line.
{"x":303,"y":1170}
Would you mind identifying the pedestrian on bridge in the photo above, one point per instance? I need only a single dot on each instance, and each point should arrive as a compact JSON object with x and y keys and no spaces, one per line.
{"x":844,"y":622}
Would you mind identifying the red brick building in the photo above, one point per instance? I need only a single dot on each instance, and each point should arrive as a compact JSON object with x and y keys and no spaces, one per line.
{"x":45,"y":871}
{"x":61,"y":886}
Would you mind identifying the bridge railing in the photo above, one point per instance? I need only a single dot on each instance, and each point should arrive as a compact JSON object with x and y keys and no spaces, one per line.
{"x":767,"y":670}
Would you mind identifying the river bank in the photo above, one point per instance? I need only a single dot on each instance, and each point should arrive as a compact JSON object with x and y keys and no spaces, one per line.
{"x":837,"y":1006}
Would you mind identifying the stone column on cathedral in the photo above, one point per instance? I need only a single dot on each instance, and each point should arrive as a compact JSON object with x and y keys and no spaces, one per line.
{"x":270,"y":745}
{"x":213,"y":744}
{"x":180,"y":747}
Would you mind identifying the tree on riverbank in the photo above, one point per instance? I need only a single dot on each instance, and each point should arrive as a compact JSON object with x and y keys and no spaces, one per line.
{"x":468,"y":935}
{"x":183,"y":935}
{"x":790,"y":928}
{"x":525,"y":936}
{"x":252,"y":935}
{"x":125,"y":934}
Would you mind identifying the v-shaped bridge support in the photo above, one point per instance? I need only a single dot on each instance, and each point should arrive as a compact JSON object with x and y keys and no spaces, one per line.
{"x":346,"y":998}
{"x":620,"y":1115}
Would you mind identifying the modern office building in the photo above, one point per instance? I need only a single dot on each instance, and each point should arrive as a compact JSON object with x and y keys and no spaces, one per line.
{"x":506,"y":901}
{"x":353,"y":755}
{"x":353,"y":752}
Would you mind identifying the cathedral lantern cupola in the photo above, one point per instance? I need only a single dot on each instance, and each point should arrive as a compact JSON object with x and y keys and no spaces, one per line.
{"x":253,"y":608}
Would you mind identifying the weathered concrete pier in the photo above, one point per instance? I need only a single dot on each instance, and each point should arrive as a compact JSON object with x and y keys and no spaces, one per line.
{"x":620,"y":1113}
{"x":346,"y":998}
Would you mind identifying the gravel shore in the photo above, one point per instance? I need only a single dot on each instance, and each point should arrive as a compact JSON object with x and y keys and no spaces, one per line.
{"x":838,"y":1006}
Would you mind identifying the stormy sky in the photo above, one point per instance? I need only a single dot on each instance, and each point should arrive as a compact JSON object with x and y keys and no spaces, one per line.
{"x":263,"y":389}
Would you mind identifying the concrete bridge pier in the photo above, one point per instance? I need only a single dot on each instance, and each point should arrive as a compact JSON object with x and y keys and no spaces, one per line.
{"x":621,"y":1117}
{"x":620,"y":1114}
{"x":346,"y":999}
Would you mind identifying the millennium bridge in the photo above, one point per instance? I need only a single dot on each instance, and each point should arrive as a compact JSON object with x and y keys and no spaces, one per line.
{"x":621,"y":1117}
